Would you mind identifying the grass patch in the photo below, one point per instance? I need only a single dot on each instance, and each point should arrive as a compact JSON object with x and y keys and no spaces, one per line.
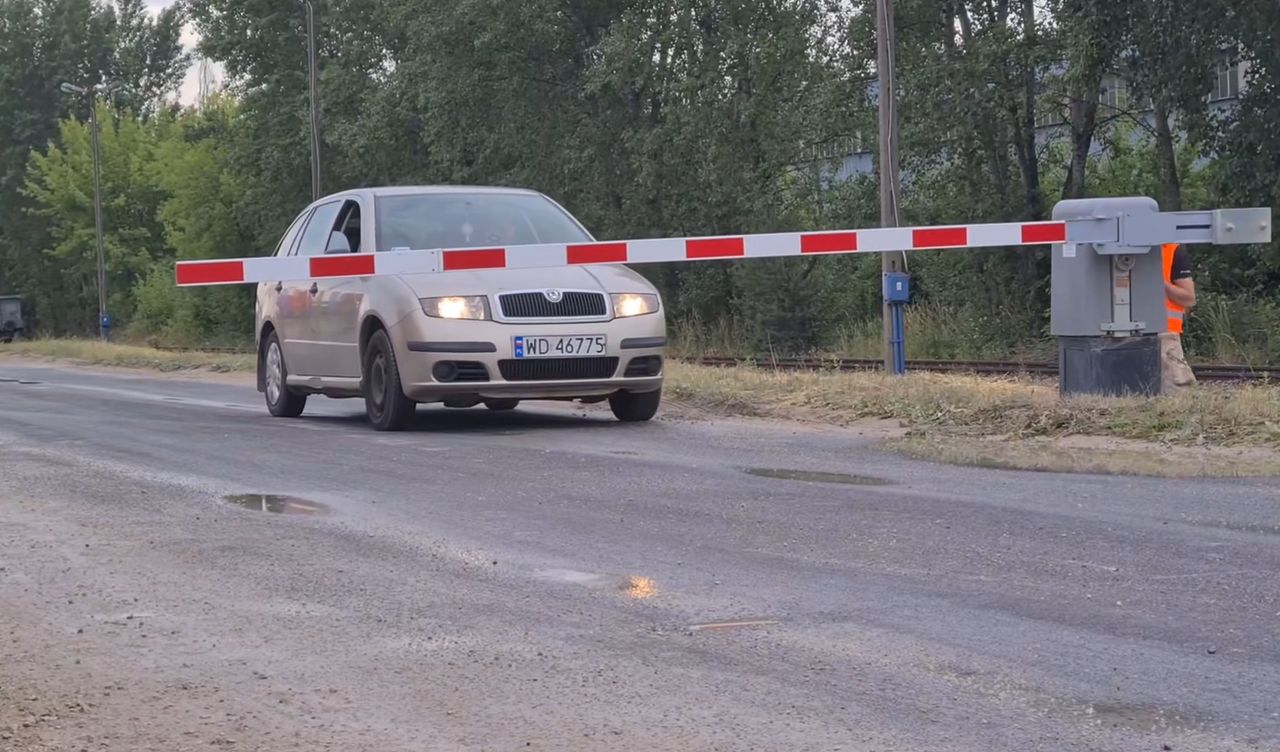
{"x":93,"y":352}
{"x":1009,"y":407}
{"x":935,"y":332}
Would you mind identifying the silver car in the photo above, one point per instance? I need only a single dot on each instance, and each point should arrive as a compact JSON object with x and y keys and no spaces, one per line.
{"x":463,"y":338}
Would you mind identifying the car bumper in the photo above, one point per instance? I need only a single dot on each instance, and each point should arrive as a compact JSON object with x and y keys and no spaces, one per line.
{"x":483,"y":353}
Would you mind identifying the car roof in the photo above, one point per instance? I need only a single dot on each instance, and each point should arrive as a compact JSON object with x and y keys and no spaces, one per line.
{"x":374,"y":192}
{"x":408,"y":190}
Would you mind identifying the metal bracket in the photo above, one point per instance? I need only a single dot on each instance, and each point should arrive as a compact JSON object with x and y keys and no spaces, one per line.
{"x":1124,"y":330}
{"x":1121,"y":298}
{"x":1232,"y":226}
{"x":1138,"y":232}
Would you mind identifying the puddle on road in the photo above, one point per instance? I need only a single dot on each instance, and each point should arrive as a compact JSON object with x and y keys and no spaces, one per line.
{"x":276,"y":504}
{"x":817,"y":477}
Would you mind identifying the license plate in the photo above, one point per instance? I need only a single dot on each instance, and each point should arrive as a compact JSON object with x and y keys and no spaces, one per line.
{"x":567,"y":346}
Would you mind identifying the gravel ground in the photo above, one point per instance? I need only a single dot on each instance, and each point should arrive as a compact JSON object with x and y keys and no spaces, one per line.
{"x":549,"y":579}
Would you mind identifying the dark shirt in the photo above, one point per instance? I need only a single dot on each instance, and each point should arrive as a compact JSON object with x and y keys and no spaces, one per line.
{"x":1181,"y":265}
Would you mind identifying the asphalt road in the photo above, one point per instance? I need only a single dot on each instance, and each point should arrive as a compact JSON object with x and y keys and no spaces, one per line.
{"x":543,"y":580}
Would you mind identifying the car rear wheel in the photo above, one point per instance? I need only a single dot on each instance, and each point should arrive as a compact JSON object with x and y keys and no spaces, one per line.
{"x":502,"y":404}
{"x":281,"y":402}
{"x":384,"y":400}
{"x":632,"y":407}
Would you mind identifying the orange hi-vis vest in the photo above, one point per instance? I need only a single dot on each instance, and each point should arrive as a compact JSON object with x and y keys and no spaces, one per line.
{"x":1174,"y":312}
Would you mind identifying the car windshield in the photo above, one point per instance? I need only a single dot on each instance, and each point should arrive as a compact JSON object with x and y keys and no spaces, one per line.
{"x":423,"y":221}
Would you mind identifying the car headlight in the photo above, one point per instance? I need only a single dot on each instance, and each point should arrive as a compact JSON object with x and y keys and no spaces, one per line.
{"x":633,"y":304}
{"x":457,"y":307}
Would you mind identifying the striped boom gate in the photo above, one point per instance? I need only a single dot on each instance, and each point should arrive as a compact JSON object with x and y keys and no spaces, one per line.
{"x":650,"y":251}
{"x":1103,"y":228}
{"x":1108,"y":295}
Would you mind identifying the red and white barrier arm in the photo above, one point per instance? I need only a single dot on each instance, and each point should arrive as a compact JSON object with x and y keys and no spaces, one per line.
{"x":775,"y":245}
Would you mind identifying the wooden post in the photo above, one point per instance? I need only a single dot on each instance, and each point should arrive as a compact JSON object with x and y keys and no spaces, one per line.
{"x":889,"y":185}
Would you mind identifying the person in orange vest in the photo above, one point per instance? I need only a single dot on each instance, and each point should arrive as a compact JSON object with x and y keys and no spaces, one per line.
{"x":1180,"y":296}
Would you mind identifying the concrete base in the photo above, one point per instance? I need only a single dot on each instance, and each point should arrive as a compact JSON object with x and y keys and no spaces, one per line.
{"x":1109,"y":365}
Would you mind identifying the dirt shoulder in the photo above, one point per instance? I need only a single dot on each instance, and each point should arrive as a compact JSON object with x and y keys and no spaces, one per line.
{"x":118,"y":355}
{"x":193,"y":373}
{"x":1009,"y":422}
{"x":1213,"y":430}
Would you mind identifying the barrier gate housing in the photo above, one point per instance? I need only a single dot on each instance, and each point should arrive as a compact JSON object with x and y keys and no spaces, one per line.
{"x":1107,"y":286}
{"x":1108,"y":298}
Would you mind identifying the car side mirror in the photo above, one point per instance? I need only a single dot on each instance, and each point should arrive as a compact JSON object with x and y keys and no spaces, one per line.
{"x":338,"y":243}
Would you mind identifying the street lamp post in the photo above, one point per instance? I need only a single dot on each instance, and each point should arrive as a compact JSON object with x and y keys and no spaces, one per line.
{"x":91,"y":92}
{"x":313,"y":86}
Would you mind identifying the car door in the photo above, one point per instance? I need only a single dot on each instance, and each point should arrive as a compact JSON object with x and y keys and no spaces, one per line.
{"x":274,"y":304}
{"x":304,"y":353}
{"x":336,"y":303}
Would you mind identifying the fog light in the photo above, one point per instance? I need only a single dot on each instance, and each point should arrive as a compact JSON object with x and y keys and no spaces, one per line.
{"x":647,"y":365}
{"x":445,"y":370}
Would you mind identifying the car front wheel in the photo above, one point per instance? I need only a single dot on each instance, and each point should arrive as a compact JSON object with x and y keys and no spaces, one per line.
{"x":281,"y":402}
{"x":632,"y":407}
{"x":384,"y":400}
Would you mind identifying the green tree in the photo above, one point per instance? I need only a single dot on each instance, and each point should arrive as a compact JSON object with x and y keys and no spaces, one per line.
{"x":1249,"y":145}
{"x":1171,"y":54}
{"x":1091,"y":35}
{"x":44,"y":43}
{"x":202,"y":216}
{"x":147,"y":52}
{"x":61,"y":277}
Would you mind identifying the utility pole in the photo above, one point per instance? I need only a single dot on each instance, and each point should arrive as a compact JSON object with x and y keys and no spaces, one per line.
{"x":889,"y":184}
{"x":91,"y":92}
{"x":313,"y":86}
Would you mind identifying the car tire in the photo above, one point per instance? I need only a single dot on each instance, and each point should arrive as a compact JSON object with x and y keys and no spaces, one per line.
{"x":635,"y":407}
{"x":502,"y":405}
{"x":281,"y":402}
{"x":384,"y":400}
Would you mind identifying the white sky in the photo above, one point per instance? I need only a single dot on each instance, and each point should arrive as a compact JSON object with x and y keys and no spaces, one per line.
{"x":190,"y":86}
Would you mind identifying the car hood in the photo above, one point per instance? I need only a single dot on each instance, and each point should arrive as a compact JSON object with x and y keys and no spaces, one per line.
{"x":605,"y":278}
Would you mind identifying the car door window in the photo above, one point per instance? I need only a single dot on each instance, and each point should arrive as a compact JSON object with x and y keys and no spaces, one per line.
{"x":316,"y":236}
{"x":349,"y":226}
{"x":286,"y":242}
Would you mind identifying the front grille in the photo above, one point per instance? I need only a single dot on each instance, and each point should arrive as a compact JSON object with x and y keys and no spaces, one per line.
{"x":534,"y":305}
{"x":556,"y":369}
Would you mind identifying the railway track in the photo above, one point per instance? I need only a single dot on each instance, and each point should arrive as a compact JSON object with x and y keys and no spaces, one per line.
{"x":990,"y":367}
{"x":998,"y":368}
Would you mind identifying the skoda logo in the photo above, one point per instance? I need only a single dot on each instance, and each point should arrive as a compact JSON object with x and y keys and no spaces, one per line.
{"x":553,"y":296}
